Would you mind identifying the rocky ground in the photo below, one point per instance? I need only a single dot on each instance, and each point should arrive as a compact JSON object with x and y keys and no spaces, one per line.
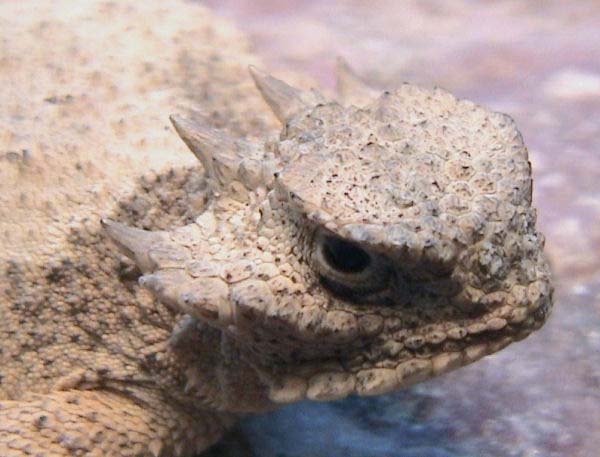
{"x":539,"y":62}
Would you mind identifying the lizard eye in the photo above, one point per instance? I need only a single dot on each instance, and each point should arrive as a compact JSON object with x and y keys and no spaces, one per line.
{"x":349,"y":271}
{"x":344,"y":256}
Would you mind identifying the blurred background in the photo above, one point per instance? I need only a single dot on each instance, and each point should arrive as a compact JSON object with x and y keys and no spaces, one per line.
{"x":538,"y":61}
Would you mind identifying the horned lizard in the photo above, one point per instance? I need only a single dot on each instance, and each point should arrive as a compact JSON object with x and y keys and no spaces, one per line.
{"x":377,"y":242}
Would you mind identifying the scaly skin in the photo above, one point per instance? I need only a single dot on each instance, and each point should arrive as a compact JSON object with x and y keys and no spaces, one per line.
{"x":364,"y":250}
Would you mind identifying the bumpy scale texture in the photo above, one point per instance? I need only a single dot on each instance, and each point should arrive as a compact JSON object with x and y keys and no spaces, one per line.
{"x":377,"y":242}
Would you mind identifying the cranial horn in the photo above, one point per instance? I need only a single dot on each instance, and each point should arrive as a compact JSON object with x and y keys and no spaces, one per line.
{"x":284,"y":100}
{"x":220,"y":154}
{"x":133,"y":242}
{"x":350,"y":87}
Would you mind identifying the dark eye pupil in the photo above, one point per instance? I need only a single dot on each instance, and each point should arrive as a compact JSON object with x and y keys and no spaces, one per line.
{"x":344,"y":256}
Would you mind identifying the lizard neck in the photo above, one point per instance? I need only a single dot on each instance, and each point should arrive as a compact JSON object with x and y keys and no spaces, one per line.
{"x":215,"y":372}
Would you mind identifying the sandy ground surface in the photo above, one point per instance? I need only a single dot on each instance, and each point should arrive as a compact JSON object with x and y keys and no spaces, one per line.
{"x":539,"y":61}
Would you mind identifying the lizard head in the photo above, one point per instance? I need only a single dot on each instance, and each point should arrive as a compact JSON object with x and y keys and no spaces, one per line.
{"x":365,"y":249}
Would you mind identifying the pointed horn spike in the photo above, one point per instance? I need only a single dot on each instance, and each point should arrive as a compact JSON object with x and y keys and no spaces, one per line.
{"x":219,"y":154}
{"x":133,"y":242}
{"x":284,"y":100}
{"x":350,"y":87}
{"x":202,"y":140}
